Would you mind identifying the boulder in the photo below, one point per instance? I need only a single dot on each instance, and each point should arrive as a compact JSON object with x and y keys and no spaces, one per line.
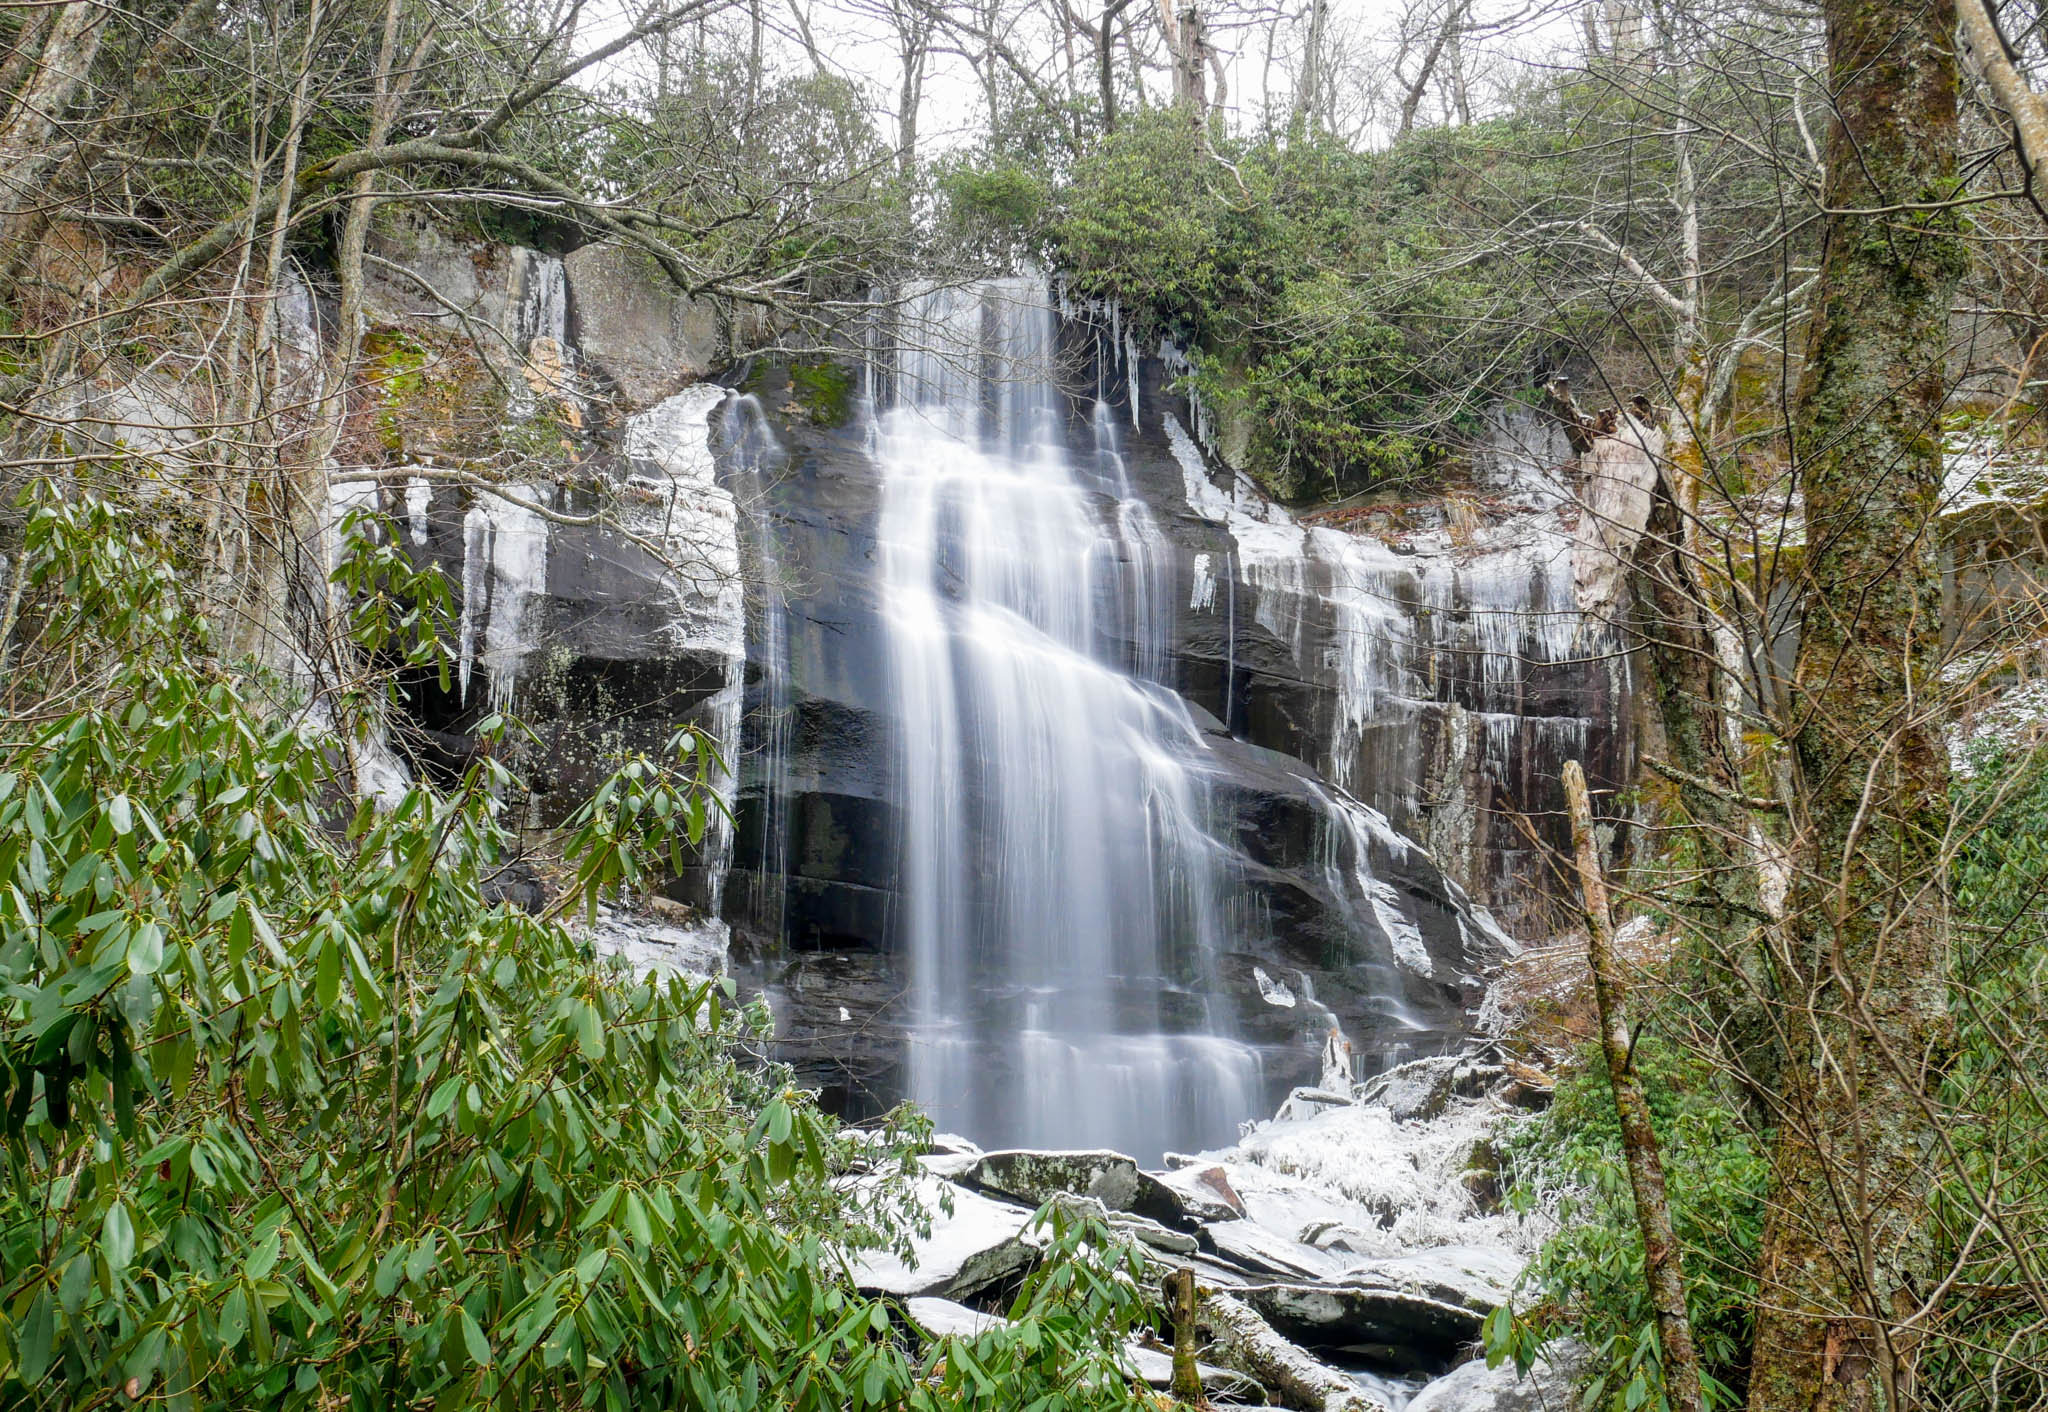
{"x":952,"y":1166}
{"x":1203,"y":1193}
{"x":949,"y":1155}
{"x":1392,"y":1327}
{"x":1109,"y":1177}
{"x":1423,"y":1088}
{"x":1475,"y":1277}
{"x":637,"y":329}
{"x":1550,"y":1386}
{"x":1144,"y":1231}
{"x":980,"y":1244}
{"x":1152,"y":1234}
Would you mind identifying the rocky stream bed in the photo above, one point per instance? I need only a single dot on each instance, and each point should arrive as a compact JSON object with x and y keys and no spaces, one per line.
{"x":1346,"y":1252}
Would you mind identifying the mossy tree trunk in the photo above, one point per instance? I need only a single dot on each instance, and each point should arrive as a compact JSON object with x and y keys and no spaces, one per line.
{"x":1862,"y":987}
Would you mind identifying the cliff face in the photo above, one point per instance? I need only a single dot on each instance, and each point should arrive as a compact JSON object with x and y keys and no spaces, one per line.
{"x":1367,"y":711}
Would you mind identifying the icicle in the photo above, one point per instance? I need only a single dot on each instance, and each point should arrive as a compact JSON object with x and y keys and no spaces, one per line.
{"x":476,"y":569}
{"x":419,"y":495}
{"x":1131,"y":371}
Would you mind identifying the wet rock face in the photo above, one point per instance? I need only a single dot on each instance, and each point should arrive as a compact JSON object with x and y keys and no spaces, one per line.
{"x":1437,"y":677}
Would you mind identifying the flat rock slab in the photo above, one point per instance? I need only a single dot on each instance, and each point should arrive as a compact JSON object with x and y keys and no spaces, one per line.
{"x":1389,"y":1325}
{"x":1476,"y":1277}
{"x":1255,"y":1248}
{"x":1109,"y":1177}
{"x":981,"y":1243}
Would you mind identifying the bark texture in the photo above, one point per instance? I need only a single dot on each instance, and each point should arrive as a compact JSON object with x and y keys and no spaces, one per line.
{"x":1297,"y":1380}
{"x":1862,"y":967}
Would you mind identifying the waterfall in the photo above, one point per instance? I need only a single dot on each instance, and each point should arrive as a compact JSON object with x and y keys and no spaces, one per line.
{"x":1061,"y":893}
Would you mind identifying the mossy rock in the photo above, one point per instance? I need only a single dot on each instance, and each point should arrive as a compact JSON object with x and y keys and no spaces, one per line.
{"x":821,"y":393}
{"x":431,"y":395}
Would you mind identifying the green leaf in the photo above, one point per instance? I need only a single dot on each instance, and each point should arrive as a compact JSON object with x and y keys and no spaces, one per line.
{"x":420,"y":1263}
{"x":327,"y":984}
{"x":444,"y":1096}
{"x":146,"y":949}
{"x":234,"y":1317}
{"x":38,"y":1338}
{"x":635,"y":1220}
{"x":117,"y":1237}
{"x":473,"y":1340}
{"x":589,"y":1031}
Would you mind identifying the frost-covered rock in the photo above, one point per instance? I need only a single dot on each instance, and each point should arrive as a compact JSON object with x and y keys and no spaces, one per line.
{"x":980,"y":1243}
{"x":1110,"y":1177}
{"x":1204,"y":1192}
{"x":953,"y":1166}
{"x":1264,"y":1251}
{"x":1307,"y":1102}
{"x":1424,"y":1088}
{"x":949,"y":1155}
{"x":692,"y":948}
{"x":1476,"y":1277}
{"x":1474,"y":1387}
{"x":943,"y":1318}
{"x":1391,"y":1327}
{"x":1363,"y":1167}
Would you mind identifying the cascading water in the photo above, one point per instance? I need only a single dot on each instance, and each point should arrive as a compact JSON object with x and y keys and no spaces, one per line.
{"x":1061,"y":893}
{"x":751,"y":453}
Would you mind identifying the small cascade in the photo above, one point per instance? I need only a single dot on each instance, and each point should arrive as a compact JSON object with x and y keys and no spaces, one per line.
{"x":538,"y":315}
{"x":1061,"y":891}
{"x":1443,"y":656}
{"x":539,"y":299}
{"x":1141,"y":594}
{"x":751,"y":456}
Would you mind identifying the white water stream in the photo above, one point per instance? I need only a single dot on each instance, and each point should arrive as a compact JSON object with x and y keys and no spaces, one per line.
{"x":1061,"y":893}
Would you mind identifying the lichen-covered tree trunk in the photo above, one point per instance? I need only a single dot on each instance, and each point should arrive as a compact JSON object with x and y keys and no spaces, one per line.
{"x":1862,"y":987}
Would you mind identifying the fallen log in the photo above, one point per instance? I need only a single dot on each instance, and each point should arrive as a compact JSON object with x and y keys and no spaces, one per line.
{"x":1296,"y":1378}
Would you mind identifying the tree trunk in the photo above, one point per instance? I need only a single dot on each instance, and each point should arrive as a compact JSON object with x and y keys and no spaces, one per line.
{"x":29,"y":145}
{"x":1105,"y":62}
{"x":1297,"y":1379}
{"x":1662,"y":1271}
{"x":1846,"y":1254}
{"x":1181,"y":1305}
{"x":1302,"y":119}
